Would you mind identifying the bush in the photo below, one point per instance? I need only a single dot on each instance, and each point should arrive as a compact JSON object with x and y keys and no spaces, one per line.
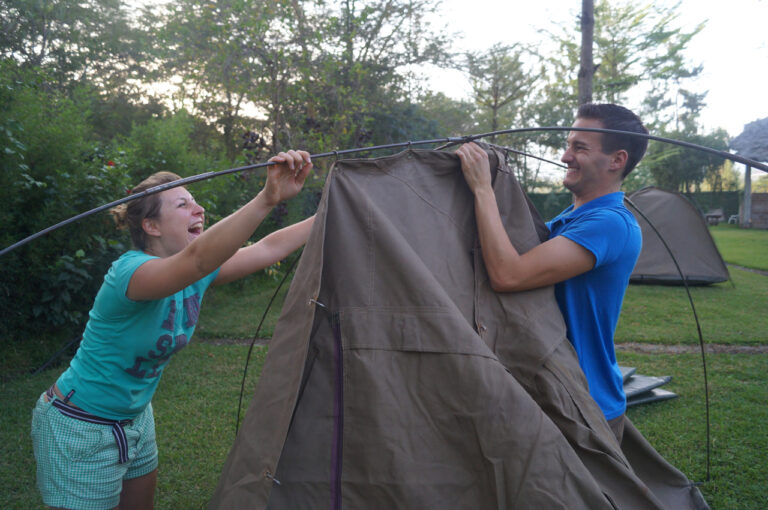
{"x":51,"y":171}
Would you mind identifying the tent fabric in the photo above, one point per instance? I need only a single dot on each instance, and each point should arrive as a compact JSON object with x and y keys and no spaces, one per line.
{"x":397,"y":378}
{"x":685,"y":232}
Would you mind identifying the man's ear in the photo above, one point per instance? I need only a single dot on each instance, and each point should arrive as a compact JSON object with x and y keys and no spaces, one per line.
{"x":150,"y":227}
{"x":619,"y":160}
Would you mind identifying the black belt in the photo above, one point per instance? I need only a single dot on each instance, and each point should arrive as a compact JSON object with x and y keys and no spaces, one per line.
{"x":79,"y":414}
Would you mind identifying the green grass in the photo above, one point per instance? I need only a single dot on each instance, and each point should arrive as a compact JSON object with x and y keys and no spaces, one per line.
{"x":196,"y":404}
{"x":729,"y":313}
{"x":234,"y":310}
{"x":195,"y":411}
{"x":741,"y":246}
{"x":739,"y":423}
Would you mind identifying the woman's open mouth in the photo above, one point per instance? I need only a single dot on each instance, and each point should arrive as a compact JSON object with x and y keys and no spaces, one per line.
{"x":196,"y":229}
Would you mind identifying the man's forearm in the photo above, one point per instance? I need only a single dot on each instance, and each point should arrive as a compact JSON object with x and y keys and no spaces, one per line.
{"x":499,"y":254}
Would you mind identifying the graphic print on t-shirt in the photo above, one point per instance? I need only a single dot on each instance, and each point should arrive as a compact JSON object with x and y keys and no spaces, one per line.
{"x":151,"y":364}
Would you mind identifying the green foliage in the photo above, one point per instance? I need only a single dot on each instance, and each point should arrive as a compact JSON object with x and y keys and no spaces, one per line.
{"x":51,"y":171}
{"x":321,"y":74}
{"x":164,"y":144}
{"x":677,"y":168}
{"x":74,"y":40}
{"x":451,"y":117}
{"x":550,"y":204}
{"x":502,"y":84}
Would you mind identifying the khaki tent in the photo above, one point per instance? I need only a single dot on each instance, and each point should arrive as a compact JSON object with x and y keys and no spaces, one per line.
{"x":685,"y":232}
{"x":397,"y":378}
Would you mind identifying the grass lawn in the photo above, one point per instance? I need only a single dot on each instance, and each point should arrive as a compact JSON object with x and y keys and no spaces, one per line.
{"x":196,"y":403}
{"x":729,"y":313}
{"x":195,"y":410}
{"x":235,"y":312}
{"x":741,"y":246}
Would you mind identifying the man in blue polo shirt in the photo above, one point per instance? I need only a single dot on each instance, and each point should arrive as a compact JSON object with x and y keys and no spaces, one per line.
{"x":592,"y":249}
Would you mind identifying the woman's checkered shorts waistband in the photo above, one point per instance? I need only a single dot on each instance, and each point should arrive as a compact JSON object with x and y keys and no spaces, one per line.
{"x":117,"y":425}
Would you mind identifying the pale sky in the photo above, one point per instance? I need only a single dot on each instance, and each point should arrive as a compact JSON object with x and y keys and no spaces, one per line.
{"x":733,"y":47}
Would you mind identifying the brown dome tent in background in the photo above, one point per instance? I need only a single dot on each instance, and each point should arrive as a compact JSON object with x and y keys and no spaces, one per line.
{"x":686,"y":233}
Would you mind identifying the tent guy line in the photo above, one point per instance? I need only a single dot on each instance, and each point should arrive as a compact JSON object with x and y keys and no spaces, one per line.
{"x":448,"y":141}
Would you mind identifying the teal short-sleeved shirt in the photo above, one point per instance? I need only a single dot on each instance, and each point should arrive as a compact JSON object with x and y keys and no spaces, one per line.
{"x":127,"y":344}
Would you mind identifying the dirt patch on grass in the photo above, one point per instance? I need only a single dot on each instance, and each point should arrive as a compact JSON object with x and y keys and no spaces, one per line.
{"x":629,"y":346}
{"x":233,"y":341}
{"x":758,"y":271}
{"x":684,"y":349}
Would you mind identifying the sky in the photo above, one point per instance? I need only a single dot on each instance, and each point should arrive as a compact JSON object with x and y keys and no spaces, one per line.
{"x":732,"y":47}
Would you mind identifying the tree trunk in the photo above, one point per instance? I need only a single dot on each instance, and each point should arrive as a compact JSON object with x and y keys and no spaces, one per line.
{"x":587,"y":69}
{"x":746,"y":221}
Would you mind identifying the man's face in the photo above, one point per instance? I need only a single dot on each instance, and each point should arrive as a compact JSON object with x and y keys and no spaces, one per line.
{"x":587,"y":165}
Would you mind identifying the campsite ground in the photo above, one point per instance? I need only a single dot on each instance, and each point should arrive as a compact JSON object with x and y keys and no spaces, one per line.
{"x":196,"y":403}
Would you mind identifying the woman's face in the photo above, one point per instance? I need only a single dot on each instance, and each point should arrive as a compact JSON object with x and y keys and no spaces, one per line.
{"x":179,"y":223}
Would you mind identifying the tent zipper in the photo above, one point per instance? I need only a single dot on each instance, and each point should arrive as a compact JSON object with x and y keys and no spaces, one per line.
{"x":338,"y":415}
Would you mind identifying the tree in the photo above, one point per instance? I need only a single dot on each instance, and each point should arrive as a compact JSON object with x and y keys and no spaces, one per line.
{"x":214,"y":52}
{"x":297,"y":72}
{"x":639,"y":52}
{"x":74,"y":40}
{"x":501,"y":84}
{"x":451,"y":117}
{"x":636,"y":47}
{"x":723,"y":178}
{"x":680,"y":169}
{"x":364,"y":66}
{"x":586,"y":69}
{"x":760,"y":185}
{"x":51,"y":170}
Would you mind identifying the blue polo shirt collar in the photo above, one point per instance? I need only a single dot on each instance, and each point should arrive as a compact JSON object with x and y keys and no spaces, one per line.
{"x":610,"y":200}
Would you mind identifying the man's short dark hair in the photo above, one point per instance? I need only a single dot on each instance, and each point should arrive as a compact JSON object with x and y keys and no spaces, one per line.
{"x":613,"y":116}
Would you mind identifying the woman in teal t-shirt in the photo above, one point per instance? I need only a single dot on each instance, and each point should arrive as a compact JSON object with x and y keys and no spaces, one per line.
{"x":93,"y":430}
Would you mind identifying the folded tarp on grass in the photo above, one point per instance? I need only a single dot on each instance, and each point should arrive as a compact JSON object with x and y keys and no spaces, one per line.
{"x":644,"y":389}
{"x":627,"y":373}
{"x":638,"y":384}
{"x":397,"y":378}
{"x":651,"y":396}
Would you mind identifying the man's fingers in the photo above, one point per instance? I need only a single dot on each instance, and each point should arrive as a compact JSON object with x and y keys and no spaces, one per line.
{"x":471,"y":153}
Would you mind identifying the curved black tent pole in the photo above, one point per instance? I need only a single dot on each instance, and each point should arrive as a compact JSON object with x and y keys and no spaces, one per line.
{"x":669,"y":250}
{"x":448,"y":141}
{"x":201,"y":177}
{"x":672,"y":141}
{"x":696,"y":319}
{"x":690,"y":300}
{"x":256,"y":336}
